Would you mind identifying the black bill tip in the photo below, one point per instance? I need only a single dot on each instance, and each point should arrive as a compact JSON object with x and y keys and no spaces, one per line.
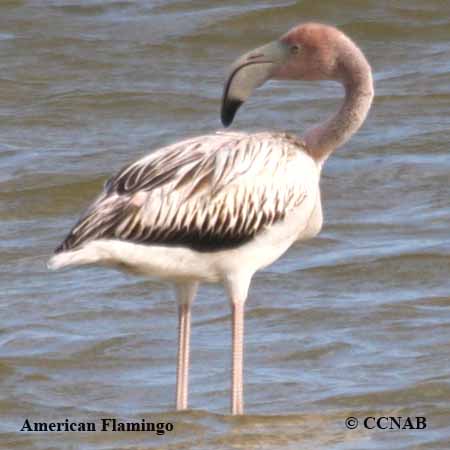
{"x":229,"y":108}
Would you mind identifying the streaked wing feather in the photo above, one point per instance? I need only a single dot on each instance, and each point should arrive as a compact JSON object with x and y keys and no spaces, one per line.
{"x":207,"y":193}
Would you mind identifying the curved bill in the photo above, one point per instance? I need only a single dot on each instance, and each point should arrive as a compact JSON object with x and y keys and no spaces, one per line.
{"x":249,"y":72}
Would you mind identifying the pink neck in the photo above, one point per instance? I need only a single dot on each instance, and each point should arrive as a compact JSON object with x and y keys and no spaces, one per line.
{"x":356,"y":78}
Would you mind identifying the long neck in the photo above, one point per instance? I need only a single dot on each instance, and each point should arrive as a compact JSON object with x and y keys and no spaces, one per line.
{"x":356,"y":78}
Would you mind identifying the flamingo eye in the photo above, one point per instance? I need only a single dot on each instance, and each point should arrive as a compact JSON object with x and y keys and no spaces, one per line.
{"x":295,"y":49}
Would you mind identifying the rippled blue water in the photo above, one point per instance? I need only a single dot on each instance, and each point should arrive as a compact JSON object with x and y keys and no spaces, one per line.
{"x":353,"y":323}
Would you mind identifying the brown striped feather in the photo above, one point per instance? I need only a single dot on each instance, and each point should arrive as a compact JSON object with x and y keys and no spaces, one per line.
{"x":207,"y":193}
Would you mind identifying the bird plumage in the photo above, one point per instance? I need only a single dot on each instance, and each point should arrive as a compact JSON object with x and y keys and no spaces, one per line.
{"x":207,"y":193}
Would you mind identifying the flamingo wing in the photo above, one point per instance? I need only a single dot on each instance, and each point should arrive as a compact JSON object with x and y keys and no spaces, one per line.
{"x":207,"y":193}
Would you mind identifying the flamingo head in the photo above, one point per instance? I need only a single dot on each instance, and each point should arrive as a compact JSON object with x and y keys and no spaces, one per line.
{"x":308,"y":52}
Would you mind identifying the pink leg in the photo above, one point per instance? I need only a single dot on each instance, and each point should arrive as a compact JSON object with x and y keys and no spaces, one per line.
{"x":237,"y":285}
{"x":237,"y":401}
{"x":185,"y":296}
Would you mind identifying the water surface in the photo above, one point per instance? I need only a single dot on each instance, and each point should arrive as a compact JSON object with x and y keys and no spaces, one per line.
{"x":353,"y":323}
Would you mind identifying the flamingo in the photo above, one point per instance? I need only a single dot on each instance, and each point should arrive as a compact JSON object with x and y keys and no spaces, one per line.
{"x":220,"y":207}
